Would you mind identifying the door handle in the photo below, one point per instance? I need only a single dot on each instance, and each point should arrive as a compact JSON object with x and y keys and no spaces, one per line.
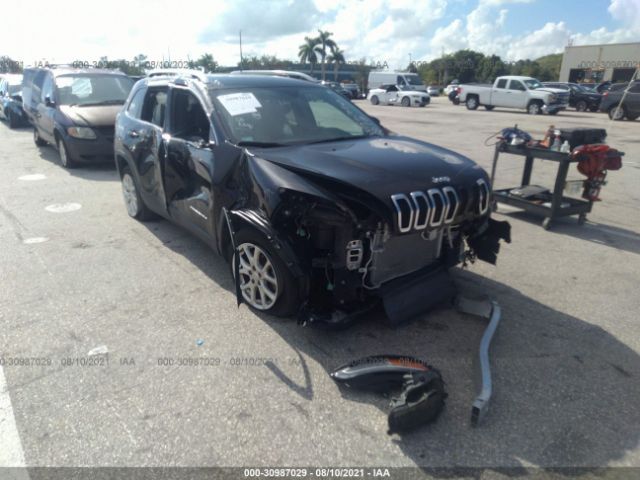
{"x":133,"y":134}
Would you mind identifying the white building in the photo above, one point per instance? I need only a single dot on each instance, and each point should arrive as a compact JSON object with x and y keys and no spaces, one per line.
{"x":615,"y":62}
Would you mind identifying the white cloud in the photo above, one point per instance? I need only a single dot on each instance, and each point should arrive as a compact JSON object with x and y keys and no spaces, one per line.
{"x":380,"y":30}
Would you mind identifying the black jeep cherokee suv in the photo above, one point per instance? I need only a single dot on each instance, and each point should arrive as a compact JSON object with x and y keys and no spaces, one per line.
{"x":320,"y":210}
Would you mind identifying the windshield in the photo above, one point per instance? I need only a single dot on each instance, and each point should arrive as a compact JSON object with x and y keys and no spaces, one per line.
{"x":84,"y":90}
{"x":413,"y":79}
{"x":533,"y":84}
{"x":289,"y":115}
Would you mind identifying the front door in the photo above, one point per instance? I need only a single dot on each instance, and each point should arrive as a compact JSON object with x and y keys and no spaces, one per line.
{"x":189,"y":163}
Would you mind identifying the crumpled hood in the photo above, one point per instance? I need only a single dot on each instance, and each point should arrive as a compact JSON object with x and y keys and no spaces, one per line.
{"x":98,"y":116}
{"x":380,"y":166}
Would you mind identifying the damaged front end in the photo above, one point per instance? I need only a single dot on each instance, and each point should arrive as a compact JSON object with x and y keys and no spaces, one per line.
{"x":349,"y":249}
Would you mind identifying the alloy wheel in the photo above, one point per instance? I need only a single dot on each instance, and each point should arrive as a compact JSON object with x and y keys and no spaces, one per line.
{"x":258,"y":280}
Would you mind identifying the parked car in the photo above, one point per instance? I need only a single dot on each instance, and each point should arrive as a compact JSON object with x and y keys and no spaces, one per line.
{"x":617,"y":108}
{"x":336,"y":87}
{"x":602,"y":87}
{"x":315,"y":205}
{"x":433,"y":91}
{"x":580,"y":98}
{"x":394,"y":95}
{"x":352,"y":88}
{"x":514,"y":92}
{"x":454,"y":84}
{"x":75,"y":110}
{"x":11,"y":100}
{"x":410,"y":81}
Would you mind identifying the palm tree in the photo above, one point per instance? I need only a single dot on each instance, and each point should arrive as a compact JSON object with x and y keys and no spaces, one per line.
{"x":307,"y":52}
{"x":337,"y":58}
{"x":323,"y":42}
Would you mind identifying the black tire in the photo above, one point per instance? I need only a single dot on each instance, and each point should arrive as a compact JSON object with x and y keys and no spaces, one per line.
{"x":472,"y":102}
{"x":131,"y":196}
{"x":489,"y":107}
{"x":36,"y":138}
{"x":406,"y":102}
{"x":617,"y":112}
{"x":456,"y":101}
{"x":581,"y":106}
{"x":13,"y":123}
{"x":65,"y":158}
{"x":287,"y":301}
{"x":375,"y":100}
{"x":534,"y":108}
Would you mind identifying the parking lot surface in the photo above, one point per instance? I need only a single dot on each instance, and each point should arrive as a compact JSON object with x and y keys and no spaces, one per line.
{"x":190,"y":379}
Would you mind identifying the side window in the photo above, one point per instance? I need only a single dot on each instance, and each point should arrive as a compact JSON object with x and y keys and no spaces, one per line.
{"x":392,"y":88}
{"x":154,"y":106}
{"x":37,"y":86}
{"x":188,"y":118}
{"x":502,"y":83}
{"x":516,"y":85}
{"x":47,"y":88}
{"x":400,"y":80}
{"x":135,"y":106}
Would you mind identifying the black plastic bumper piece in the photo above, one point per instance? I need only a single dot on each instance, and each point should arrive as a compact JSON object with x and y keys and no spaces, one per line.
{"x":409,"y":298}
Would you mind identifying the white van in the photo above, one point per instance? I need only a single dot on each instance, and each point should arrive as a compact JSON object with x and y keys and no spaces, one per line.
{"x":401,"y":79}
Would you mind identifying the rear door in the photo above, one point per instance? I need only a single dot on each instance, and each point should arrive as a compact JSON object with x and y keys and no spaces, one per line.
{"x":499,"y":95}
{"x":142,"y":138}
{"x":189,"y":164}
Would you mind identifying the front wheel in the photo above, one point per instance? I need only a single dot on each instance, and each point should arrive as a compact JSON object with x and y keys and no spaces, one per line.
{"x":581,"y":106}
{"x":266,"y":283}
{"x":65,"y":159}
{"x":406,"y":102}
{"x":534,"y":108}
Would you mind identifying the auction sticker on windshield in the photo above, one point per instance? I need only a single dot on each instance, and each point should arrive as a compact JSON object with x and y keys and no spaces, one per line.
{"x":239,"y":103}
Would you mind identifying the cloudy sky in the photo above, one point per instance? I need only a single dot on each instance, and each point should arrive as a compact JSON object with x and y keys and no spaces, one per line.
{"x":380,"y":30}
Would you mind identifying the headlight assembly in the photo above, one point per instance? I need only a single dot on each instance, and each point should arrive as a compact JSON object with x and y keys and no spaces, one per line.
{"x":84,"y":133}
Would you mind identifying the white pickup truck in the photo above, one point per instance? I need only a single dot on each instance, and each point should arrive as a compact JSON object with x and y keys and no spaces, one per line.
{"x":515,"y":92}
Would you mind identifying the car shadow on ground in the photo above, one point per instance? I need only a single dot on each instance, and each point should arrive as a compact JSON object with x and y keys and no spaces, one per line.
{"x":104,"y":171}
{"x":602,"y":234}
{"x":565,"y":391}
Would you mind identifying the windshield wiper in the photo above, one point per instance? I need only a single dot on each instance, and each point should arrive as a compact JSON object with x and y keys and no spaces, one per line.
{"x":103,"y":102}
{"x":249,"y":143}
{"x":338,"y":139}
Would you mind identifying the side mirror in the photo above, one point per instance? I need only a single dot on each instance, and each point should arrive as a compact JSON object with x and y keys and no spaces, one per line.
{"x":48,"y":102}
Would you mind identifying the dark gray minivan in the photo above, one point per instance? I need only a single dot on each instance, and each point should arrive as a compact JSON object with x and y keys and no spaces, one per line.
{"x":75,"y":110}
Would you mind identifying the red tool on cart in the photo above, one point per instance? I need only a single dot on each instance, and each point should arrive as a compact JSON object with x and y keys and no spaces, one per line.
{"x":594,"y":161}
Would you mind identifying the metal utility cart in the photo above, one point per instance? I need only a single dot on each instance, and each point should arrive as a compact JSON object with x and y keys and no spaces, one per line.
{"x":560,"y":206}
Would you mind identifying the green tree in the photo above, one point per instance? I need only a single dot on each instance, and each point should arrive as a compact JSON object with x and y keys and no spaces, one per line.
{"x":336,"y":57}
{"x":324,"y":42}
{"x":549,"y":67}
{"x":207,"y":63}
{"x":9,"y":65}
{"x":307,"y":52}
